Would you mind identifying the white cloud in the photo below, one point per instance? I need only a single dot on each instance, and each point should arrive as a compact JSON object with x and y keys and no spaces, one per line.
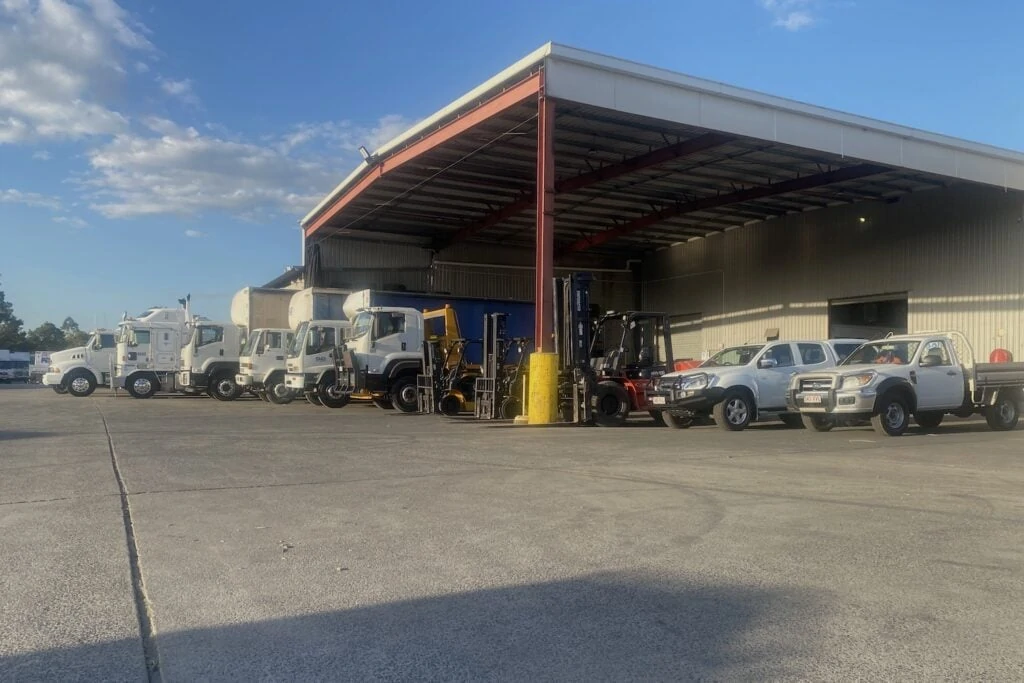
{"x":180,"y":89}
{"x":141,"y":67}
{"x":55,"y":55}
{"x":42,"y":155}
{"x":73,"y":221}
{"x":194,"y":233}
{"x":792,"y":15}
{"x":345,"y":135}
{"x":11,"y":196}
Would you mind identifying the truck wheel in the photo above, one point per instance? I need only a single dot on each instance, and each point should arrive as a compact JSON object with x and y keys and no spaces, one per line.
{"x":893,"y":417}
{"x":224,"y":388}
{"x":1004,"y":415}
{"x":382,"y":403}
{"x":59,"y":389}
{"x":610,"y":404}
{"x":817,"y":423}
{"x":404,"y":394}
{"x":278,"y":394}
{"x":676,"y":421}
{"x":142,"y":386}
{"x":928,"y":420}
{"x":81,"y":383}
{"x":329,"y":394}
{"x":792,"y":420}
{"x":313,"y":399}
{"x":734,"y":412}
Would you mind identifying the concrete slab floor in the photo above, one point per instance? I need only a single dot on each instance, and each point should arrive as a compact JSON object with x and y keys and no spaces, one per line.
{"x":300,"y":543}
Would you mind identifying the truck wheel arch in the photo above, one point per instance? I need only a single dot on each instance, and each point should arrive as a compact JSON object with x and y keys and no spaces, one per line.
{"x":397,"y":368}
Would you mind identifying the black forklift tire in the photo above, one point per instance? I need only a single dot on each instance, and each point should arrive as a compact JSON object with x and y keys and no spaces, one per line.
{"x":893,"y":416}
{"x":142,"y":385}
{"x":327,"y":392}
{"x":1004,"y":415}
{"x":80,"y":383}
{"x":928,"y":420}
{"x":734,"y":412}
{"x":450,"y":405}
{"x":511,"y":408}
{"x":59,"y":389}
{"x":792,"y":420}
{"x":382,"y":403}
{"x":610,"y":404}
{"x":404,"y":395}
{"x":676,"y":421}
{"x":817,"y":423}
{"x":223,"y":387}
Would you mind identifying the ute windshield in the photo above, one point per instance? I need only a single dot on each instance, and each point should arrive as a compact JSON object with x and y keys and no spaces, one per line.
{"x":884,"y":352}
{"x":295,"y":347}
{"x":736,"y":356}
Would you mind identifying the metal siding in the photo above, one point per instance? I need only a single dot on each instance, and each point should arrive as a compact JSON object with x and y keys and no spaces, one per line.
{"x":957,"y":251}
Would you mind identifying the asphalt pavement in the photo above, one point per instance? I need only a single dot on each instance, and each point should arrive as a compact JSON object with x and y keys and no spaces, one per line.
{"x":182,"y":539}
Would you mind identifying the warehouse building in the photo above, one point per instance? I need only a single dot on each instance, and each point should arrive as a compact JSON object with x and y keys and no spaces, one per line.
{"x":742,"y":215}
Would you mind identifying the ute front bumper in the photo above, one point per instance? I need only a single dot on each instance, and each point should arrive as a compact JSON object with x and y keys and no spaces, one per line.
{"x":690,"y":401}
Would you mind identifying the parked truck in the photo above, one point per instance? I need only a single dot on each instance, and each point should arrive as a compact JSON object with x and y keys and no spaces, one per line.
{"x":262,"y":316}
{"x":14,"y":366}
{"x":209,"y":360}
{"x":383,"y":353}
{"x":927,"y":376}
{"x":78,"y":371}
{"x":317,"y":318}
{"x":149,"y":350}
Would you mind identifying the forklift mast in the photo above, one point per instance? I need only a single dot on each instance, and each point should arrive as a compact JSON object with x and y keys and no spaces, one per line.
{"x":573,"y":340}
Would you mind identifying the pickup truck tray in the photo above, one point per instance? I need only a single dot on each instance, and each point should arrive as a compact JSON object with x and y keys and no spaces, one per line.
{"x":999,"y":374}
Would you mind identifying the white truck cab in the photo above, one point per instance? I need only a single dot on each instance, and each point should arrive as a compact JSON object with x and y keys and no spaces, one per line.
{"x":148,"y":352}
{"x":383,"y":355}
{"x":210,"y":361}
{"x":262,"y":366}
{"x":78,"y":371}
{"x":309,"y":360}
{"x":742,"y":384}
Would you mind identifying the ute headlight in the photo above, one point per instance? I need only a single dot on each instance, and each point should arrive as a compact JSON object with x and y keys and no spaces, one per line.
{"x":859,"y":380}
{"x":694,"y":382}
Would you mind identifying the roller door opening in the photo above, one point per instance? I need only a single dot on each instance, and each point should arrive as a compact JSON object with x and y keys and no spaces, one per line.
{"x":870,"y":317}
{"x":687,"y":336}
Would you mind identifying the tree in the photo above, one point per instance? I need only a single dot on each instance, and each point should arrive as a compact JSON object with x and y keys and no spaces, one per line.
{"x":73,"y":334}
{"x":11,"y":335}
{"x":46,"y":337}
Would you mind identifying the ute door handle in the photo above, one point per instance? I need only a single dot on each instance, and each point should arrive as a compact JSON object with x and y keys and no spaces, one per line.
{"x":951,"y":373}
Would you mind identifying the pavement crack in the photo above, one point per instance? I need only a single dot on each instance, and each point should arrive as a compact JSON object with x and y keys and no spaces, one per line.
{"x":143,"y":606}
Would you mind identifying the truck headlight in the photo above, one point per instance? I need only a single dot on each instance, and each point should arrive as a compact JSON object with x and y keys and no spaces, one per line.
{"x":858,"y":381}
{"x":54,"y":368}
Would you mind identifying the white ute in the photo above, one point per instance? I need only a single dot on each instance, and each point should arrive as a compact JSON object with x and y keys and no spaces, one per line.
{"x":925,"y":375}
{"x":742,"y":384}
{"x":78,"y":371}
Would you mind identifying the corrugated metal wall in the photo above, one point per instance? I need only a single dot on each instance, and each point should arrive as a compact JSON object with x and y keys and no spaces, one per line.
{"x":957,"y":252}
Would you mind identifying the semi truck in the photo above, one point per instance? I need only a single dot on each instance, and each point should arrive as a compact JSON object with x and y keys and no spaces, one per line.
{"x":383,"y":353}
{"x":262,"y":316}
{"x":78,"y":371}
{"x":149,"y":350}
{"x":316,"y":316}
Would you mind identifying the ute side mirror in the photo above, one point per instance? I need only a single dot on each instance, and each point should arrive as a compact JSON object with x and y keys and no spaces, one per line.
{"x":931,"y":360}
{"x":767,"y":363}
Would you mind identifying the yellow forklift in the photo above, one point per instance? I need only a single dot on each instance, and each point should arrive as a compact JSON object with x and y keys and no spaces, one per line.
{"x":448,"y":382}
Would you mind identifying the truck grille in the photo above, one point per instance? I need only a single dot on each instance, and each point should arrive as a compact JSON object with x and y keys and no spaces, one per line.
{"x":816,"y":384}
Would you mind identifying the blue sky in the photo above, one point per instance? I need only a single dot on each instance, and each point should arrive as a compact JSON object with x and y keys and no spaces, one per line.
{"x":149,"y":149}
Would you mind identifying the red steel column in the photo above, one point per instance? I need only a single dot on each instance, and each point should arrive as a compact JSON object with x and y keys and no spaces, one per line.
{"x":543,"y":325}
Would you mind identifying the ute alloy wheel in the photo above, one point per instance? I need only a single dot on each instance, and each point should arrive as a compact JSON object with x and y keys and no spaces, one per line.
{"x":735,"y":412}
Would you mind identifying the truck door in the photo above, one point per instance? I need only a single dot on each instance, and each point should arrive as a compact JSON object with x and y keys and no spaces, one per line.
{"x":940,"y":383}
{"x":389,"y":335}
{"x":165,"y":349}
{"x":774,"y":369}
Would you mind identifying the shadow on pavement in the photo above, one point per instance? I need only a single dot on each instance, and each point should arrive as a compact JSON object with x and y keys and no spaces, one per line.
{"x":599,"y":627}
{"x":16,"y":434}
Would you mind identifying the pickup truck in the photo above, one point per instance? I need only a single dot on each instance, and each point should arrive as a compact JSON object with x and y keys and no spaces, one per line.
{"x":742,"y":384}
{"x":925,"y":375}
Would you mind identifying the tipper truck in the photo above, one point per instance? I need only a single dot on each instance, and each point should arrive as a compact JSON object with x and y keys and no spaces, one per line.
{"x":383,"y":354}
{"x":262,"y":317}
{"x":78,"y":371}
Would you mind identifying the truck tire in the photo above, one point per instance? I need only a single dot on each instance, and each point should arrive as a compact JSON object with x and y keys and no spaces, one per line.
{"x":893,"y":416}
{"x":610,"y":404}
{"x":928,"y":420}
{"x":818,"y":423}
{"x":278,"y":394}
{"x":142,"y":385}
{"x":313,"y":399}
{"x":734,"y":412}
{"x":328,"y":393}
{"x":1004,"y":415}
{"x":676,"y":421}
{"x":792,"y":420}
{"x":223,"y":387}
{"x":80,"y":383}
{"x":59,"y":389}
{"x":404,"y":395}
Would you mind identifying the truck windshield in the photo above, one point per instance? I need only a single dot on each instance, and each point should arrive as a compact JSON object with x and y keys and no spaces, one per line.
{"x":883,"y":352}
{"x":252,"y":343}
{"x":737,"y":355}
{"x":295,"y":347}
{"x":361,"y":325}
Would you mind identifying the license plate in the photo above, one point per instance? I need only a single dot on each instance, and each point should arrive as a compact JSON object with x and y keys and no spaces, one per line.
{"x":812,"y":398}
{"x":658,"y":400}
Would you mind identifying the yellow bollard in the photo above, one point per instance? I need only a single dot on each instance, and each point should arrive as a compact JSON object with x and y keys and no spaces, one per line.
{"x":543,"y":408}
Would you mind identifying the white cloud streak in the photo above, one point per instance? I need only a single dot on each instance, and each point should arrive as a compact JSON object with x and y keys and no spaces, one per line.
{"x":73,"y":221}
{"x":42,"y":155}
{"x":34,"y":199}
{"x":182,"y":90}
{"x":194,"y":233}
{"x":792,"y":15}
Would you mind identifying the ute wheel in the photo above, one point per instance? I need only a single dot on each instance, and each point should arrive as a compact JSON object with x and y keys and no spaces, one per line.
{"x":792,"y":420}
{"x":893,"y":416}
{"x":329,"y":394}
{"x":382,"y":403}
{"x":223,"y":387}
{"x":450,"y":405}
{"x":59,"y":389}
{"x":676,"y":421}
{"x":142,"y":386}
{"x":81,"y":383}
{"x":818,"y":423}
{"x":1004,"y":415}
{"x":404,"y":394}
{"x":279,"y":394}
{"x":928,"y":420}
{"x":610,"y":405}
{"x":734,"y":412}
